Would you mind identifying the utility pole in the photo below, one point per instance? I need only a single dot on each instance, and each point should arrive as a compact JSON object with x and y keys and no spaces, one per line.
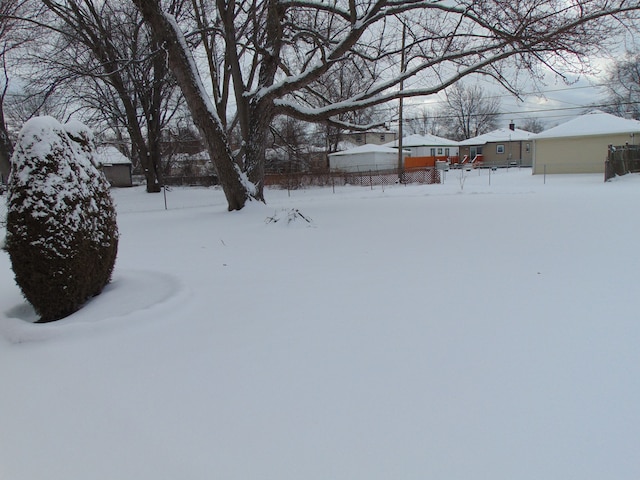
{"x":402,"y":70}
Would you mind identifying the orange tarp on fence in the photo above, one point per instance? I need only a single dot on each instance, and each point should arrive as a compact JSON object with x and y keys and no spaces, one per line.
{"x":421,"y":162}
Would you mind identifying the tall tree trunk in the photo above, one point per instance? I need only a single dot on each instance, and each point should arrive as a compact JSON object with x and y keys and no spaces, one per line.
{"x":6,"y":149}
{"x":234,"y":182}
{"x":259,"y":120}
{"x":154,"y":120}
{"x":144,"y":155}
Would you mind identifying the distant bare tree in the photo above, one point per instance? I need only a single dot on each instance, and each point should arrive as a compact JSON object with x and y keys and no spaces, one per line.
{"x":348,"y":79}
{"x":105,"y":60}
{"x":533,"y":125}
{"x":271,"y":54}
{"x":623,"y":87}
{"x":469,"y":112}
{"x":425,"y":121}
{"x":287,"y":142}
{"x":14,"y":34}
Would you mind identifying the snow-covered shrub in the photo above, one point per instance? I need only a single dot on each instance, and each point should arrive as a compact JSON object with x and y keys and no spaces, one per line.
{"x":62,"y":235}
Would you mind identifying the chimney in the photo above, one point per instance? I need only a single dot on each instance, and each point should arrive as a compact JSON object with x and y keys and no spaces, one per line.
{"x":512,"y":126}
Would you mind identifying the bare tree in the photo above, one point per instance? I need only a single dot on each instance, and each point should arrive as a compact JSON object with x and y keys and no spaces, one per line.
{"x":287,"y":146}
{"x":623,"y":87}
{"x":13,"y":36}
{"x":107,"y":62}
{"x":345,"y":81}
{"x":273,"y":51}
{"x":425,"y":121}
{"x":28,"y":100}
{"x":469,"y":112}
{"x":533,"y":125}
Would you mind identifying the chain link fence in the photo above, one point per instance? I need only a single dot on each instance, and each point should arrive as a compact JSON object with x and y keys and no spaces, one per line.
{"x":370,"y":178}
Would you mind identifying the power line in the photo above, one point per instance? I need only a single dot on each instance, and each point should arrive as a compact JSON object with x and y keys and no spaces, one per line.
{"x":520,"y":112}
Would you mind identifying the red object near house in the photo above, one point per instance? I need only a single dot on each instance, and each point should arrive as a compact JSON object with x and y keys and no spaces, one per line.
{"x":428,"y":161}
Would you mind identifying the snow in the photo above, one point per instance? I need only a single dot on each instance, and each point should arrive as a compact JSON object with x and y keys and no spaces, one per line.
{"x":499,"y":135}
{"x":54,"y":174}
{"x":109,"y":155}
{"x":417,"y":140}
{"x":593,"y":123}
{"x":366,"y":148}
{"x":409,"y":332}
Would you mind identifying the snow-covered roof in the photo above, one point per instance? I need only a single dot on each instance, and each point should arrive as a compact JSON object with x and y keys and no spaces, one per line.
{"x":371,"y":131}
{"x":109,"y":155}
{"x":367,"y":148}
{"x":593,"y":123}
{"x":499,"y":135}
{"x":417,"y":140}
{"x":345,"y":145}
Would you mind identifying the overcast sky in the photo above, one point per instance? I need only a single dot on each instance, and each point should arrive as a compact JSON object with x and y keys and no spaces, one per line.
{"x":553,"y":102}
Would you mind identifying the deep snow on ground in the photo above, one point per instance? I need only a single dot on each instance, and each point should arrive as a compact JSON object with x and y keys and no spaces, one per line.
{"x":490,"y":332}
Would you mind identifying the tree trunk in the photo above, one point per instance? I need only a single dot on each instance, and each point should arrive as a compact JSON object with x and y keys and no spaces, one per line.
{"x":6,"y":149}
{"x":144,"y":155}
{"x":236,"y":185}
{"x":259,"y":120}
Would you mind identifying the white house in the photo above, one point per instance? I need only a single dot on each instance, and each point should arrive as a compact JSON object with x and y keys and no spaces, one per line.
{"x":427,"y":146}
{"x":365,"y":158}
{"x":580,"y":145}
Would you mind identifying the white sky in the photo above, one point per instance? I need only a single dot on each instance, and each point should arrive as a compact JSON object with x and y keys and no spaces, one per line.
{"x":553,"y":103}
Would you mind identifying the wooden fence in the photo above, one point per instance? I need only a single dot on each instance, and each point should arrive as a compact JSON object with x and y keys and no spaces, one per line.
{"x":622,"y":160}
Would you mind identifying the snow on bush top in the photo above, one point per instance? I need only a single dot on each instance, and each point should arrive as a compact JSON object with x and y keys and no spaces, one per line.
{"x":53,"y":172}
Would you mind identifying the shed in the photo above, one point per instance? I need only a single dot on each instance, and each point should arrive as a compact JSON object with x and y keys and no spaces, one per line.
{"x":501,"y":147}
{"x":581,"y":144}
{"x":116,"y":167}
{"x":364,"y":158}
{"x":425,"y":150}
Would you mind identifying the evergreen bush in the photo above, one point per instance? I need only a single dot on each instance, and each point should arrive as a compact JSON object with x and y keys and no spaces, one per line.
{"x":62,"y":236}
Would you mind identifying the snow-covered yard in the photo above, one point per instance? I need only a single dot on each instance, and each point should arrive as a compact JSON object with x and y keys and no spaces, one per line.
{"x":419,"y":332}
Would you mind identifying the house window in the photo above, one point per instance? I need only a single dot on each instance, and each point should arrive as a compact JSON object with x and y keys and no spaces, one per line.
{"x":382,"y":137}
{"x":440,"y":151}
{"x":446,"y":152}
{"x":359,"y":138}
{"x":500,"y":148}
{"x":475,"y":151}
{"x":433,"y":152}
{"x":527,"y":147}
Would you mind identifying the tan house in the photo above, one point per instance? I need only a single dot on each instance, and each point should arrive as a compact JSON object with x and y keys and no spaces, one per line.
{"x":499,"y":148}
{"x":370,"y":137}
{"x":580,"y":145}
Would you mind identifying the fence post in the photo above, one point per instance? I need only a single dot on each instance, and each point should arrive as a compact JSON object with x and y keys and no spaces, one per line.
{"x":544,"y":174}
{"x":625,"y":159}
